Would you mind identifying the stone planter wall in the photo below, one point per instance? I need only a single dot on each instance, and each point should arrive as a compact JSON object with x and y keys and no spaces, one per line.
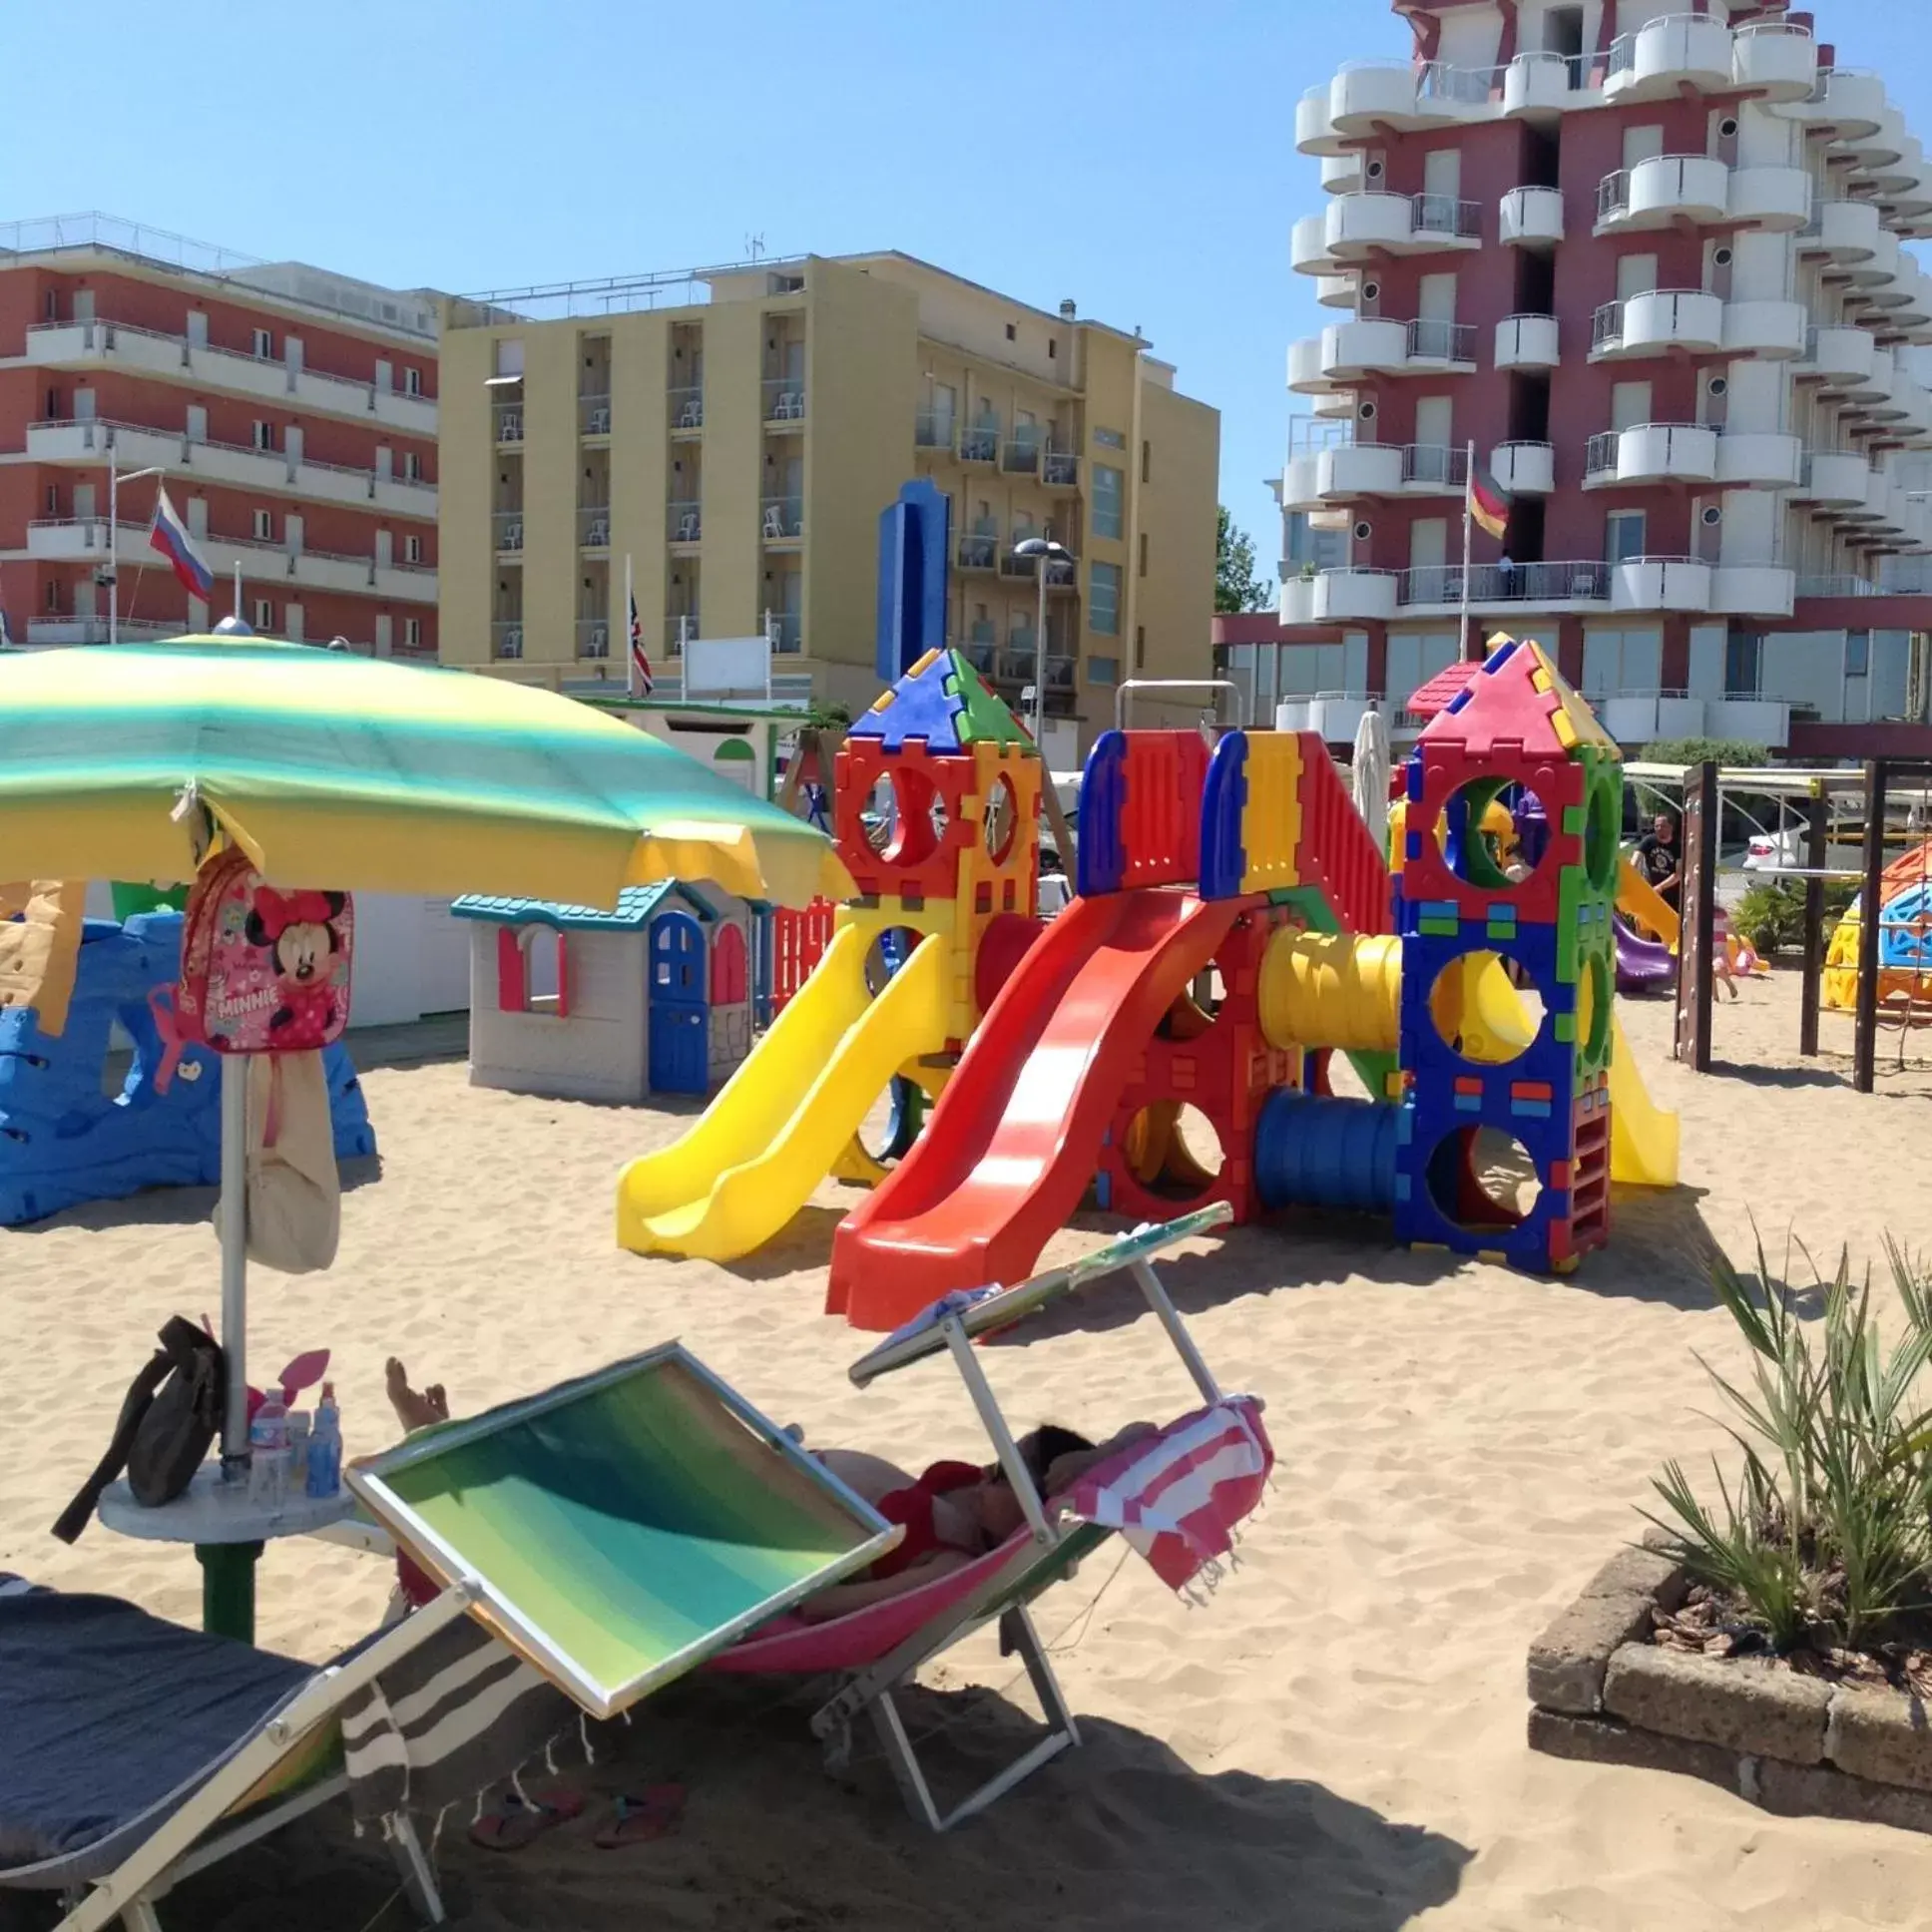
{"x":1602,"y":1690}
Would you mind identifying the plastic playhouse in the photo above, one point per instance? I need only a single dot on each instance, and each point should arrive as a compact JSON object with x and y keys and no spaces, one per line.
{"x":1236,"y":925}
{"x":1904,"y":941}
{"x":73,"y":1130}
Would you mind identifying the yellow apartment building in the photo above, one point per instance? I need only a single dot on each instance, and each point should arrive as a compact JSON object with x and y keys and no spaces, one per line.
{"x":734,"y":434}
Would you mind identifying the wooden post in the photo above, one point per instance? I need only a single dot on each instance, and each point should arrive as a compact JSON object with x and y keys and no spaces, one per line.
{"x":1697,"y":907}
{"x":1864,"y":1039}
{"x":1816,"y":819}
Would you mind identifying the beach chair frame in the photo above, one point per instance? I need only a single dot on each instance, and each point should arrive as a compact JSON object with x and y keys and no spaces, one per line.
{"x":190,"y":1839}
{"x":1055,"y":1548}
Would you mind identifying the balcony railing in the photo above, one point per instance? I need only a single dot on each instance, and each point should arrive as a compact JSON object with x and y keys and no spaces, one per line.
{"x":1016,"y":661}
{"x":980,"y":649}
{"x":1600,"y":454}
{"x":978,"y":550}
{"x":680,"y":628}
{"x":1060,"y":673}
{"x":1445,"y":214}
{"x":593,"y":527}
{"x":509,"y":530}
{"x":1613,"y":194}
{"x":1020,"y":457}
{"x":1541,"y":583}
{"x":1061,"y":570}
{"x":506,"y":638}
{"x":687,"y":405}
{"x":593,"y":637}
{"x":594,"y":416}
{"x":684,"y":522}
{"x":509,"y":422}
{"x":1439,"y":341}
{"x":784,"y":398}
{"x":1470,"y":86}
{"x":979,"y":443}
{"x":785,"y":629}
{"x":1060,"y":469}
{"x":781,"y":518}
{"x":1845,"y":583}
{"x":1436,"y":463}
{"x":933,"y":429}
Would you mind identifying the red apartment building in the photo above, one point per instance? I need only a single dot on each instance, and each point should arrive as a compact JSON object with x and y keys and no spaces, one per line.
{"x":290,"y":412}
{"x":1646,"y":259}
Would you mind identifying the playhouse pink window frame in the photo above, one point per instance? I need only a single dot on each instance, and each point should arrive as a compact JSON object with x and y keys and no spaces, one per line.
{"x":513,"y":972}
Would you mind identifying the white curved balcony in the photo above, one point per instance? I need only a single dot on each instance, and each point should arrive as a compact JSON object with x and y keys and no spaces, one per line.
{"x":1759,"y":459}
{"x":1651,"y":453}
{"x":1526,"y":343}
{"x":1346,"y":595}
{"x":1525,"y":469}
{"x":1307,"y":374}
{"x":1847,"y":102}
{"x":1660,"y":584}
{"x":1357,"y":227}
{"x":1774,"y":60}
{"x":1531,"y":217}
{"x":1334,"y":405}
{"x":1298,"y":481}
{"x":1537,"y":84}
{"x":1835,"y":479}
{"x":1843,"y":232}
{"x":1901,"y":173}
{"x":1308,"y":246}
{"x":1662,"y":190}
{"x":1665,"y":55}
{"x":1342,"y":174}
{"x":1354,"y":104}
{"x":1871,"y":393}
{"x":1880,"y":266}
{"x":1352,"y":351}
{"x":1883,"y":145}
{"x":1337,"y":292}
{"x":1767,"y":328}
{"x":1775,"y":200}
{"x":1656,"y":321}
{"x":1752,"y":590}
{"x":1353,"y":470}
{"x":1836,"y":354}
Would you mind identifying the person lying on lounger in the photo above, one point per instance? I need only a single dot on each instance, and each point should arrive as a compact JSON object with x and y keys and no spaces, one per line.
{"x":952,"y":1512}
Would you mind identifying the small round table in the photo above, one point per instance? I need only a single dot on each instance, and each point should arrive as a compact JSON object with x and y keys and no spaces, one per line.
{"x":227,"y":1529}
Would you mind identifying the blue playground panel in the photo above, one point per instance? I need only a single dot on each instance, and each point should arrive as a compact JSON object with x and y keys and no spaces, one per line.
{"x":65,"y":1142}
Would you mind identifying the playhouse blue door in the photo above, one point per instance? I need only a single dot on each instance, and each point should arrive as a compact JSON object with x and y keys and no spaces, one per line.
{"x":679,"y":1015}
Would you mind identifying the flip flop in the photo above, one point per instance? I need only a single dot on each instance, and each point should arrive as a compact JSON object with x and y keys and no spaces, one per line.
{"x":655,"y":1812}
{"x":517,"y":1822}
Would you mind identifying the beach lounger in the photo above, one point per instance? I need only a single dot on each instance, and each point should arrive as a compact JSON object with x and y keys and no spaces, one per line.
{"x":1176,"y":1495}
{"x":594,"y":1542}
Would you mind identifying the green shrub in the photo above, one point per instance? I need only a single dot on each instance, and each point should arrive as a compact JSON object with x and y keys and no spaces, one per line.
{"x":1771,"y":915}
{"x":1827,"y":1536}
{"x":1703,"y":750}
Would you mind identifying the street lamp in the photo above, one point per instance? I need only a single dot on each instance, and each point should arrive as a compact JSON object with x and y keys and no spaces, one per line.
{"x":1046,"y":553}
{"x":115,"y":480}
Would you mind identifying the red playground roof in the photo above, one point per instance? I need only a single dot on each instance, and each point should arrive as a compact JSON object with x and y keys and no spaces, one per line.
{"x":1441,"y":690}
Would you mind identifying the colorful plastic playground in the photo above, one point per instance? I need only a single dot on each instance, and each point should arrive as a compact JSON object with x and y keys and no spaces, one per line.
{"x":1237,"y":925}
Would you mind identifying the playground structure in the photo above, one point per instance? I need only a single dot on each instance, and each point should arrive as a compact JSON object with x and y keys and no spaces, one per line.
{"x":73,"y":1130}
{"x":1904,"y":952}
{"x":1236,"y":925}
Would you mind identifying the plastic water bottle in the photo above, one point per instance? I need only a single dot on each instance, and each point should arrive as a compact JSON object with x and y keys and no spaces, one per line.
{"x":298,"y":1425}
{"x":325,"y":1475}
{"x":269,"y":1453}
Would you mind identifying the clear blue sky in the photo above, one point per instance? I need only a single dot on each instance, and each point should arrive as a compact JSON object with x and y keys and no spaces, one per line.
{"x":477,"y":144}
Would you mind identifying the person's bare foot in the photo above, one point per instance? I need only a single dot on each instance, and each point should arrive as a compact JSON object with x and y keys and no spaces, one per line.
{"x":414,"y":1410}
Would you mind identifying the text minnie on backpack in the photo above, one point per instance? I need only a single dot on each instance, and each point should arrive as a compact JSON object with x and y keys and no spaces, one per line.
{"x":263,"y":971}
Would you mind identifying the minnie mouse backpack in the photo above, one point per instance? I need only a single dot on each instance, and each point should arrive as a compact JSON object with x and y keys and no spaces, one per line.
{"x":262,"y":971}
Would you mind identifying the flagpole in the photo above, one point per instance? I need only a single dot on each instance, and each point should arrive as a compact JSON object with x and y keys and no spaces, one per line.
{"x":1467,"y":535}
{"x":238,"y":590}
{"x":629,"y":650}
{"x":114,"y":552}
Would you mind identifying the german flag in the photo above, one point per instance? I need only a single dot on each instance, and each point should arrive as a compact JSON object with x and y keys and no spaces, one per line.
{"x":1489,"y":502}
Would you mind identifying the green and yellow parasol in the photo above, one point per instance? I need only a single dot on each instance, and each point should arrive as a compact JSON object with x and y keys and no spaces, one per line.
{"x":365,"y":775}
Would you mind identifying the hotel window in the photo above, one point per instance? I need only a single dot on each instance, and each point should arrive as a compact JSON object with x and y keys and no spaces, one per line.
{"x":1012,"y":333}
{"x":1146,"y":462}
{"x":1859,"y":653}
{"x":1140,"y":647}
{"x":1103,"y":671}
{"x":264,"y":614}
{"x":265,"y":526}
{"x":1110,"y":439}
{"x":265,"y":435}
{"x":412,"y":382}
{"x":1109,"y":493}
{"x":1623,"y":536}
{"x":411,"y":466}
{"x":509,"y":359}
{"x":412,"y":632}
{"x":412,"y":549}
{"x":1743,"y":664}
{"x":1104,"y":615}
{"x":264,"y":344}
{"x":1143,"y":547}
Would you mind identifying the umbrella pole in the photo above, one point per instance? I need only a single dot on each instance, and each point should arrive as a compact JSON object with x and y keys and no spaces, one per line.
{"x":235,"y":1258}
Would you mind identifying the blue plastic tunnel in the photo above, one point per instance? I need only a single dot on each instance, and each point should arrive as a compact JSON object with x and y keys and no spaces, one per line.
{"x":1317,"y":1151}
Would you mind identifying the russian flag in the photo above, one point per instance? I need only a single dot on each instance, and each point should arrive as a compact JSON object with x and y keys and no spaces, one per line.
{"x":168,"y":535}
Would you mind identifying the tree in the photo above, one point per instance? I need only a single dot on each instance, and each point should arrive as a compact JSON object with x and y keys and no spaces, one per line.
{"x":1700,"y":750}
{"x":1237,"y":586}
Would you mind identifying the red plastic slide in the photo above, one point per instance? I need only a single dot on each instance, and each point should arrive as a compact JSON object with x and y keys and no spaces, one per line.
{"x":1016,"y":1136}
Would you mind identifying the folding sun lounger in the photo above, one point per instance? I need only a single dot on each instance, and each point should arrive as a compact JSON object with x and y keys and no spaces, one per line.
{"x":611,"y":1532}
{"x":1176,"y":1495}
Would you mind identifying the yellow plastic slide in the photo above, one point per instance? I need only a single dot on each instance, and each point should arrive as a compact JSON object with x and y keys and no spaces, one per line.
{"x":780,"y":1122}
{"x":1636,"y":899}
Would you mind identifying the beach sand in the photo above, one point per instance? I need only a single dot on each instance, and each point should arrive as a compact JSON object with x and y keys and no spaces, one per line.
{"x":1336,"y":1741}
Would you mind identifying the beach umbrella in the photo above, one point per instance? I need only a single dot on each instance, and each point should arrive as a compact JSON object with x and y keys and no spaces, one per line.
{"x":1371,"y":774}
{"x":349,"y":774}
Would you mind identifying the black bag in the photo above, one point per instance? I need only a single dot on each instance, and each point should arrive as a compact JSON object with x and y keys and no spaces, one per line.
{"x":169,"y":1419}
